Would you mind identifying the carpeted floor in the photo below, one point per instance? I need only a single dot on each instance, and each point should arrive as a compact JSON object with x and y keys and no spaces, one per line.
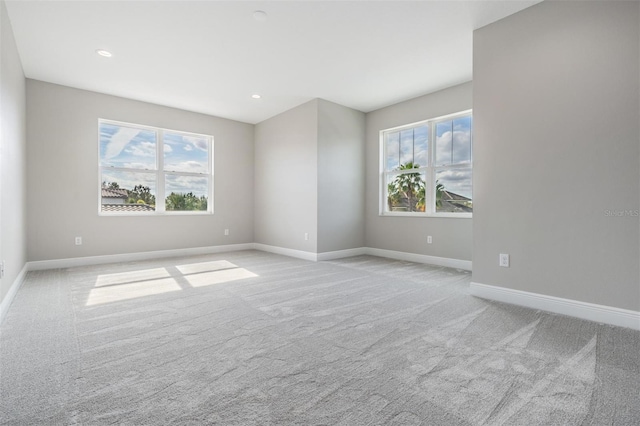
{"x":251,"y":338}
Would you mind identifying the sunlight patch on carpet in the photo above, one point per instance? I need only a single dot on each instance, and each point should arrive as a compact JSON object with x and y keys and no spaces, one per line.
{"x":131,"y":277}
{"x":116,"y":293}
{"x":218,"y":277}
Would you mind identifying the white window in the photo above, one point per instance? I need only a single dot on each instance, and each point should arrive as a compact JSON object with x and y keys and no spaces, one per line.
{"x":154,"y":171}
{"x":426,"y":168}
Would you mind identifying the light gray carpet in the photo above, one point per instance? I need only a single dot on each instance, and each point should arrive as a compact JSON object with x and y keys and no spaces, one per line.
{"x":250,"y":338}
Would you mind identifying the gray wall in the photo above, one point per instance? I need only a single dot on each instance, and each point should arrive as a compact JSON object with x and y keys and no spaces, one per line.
{"x":309,"y":178}
{"x":341,"y":135}
{"x":556,"y":108}
{"x":63,"y":183}
{"x":286,"y":179}
{"x":452,"y":237}
{"x":12,"y":157}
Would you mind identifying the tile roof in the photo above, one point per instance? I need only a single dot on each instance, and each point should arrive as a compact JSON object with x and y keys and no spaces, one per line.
{"x":451,"y":196}
{"x":127,"y":208}
{"x":114,"y":193}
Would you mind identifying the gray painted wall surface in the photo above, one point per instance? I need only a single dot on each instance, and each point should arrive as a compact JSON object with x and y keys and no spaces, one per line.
{"x":63,"y":183}
{"x":341,"y":174}
{"x":12,"y":157}
{"x":286,"y":179}
{"x":556,"y":108}
{"x":452,"y":237}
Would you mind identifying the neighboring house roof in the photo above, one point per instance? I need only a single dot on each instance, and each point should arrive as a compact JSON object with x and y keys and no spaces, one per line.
{"x":451,"y":196}
{"x":452,"y":202}
{"x":127,"y":208}
{"x":114,"y":193}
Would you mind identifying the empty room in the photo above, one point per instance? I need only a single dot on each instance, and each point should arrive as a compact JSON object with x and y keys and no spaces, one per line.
{"x":320,"y":212}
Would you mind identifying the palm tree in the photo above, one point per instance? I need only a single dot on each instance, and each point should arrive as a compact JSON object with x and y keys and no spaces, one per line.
{"x":439,"y":192}
{"x":422,"y":199}
{"x":175,"y":201}
{"x":409,"y":187}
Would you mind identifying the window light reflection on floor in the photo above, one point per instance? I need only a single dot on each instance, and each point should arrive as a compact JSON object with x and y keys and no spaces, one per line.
{"x":132,"y":290}
{"x":216,"y":265}
{"x":218,"y":277}
{"x":131,"y":277}
{"x":123,"y":286}
{"x":216,"y":272}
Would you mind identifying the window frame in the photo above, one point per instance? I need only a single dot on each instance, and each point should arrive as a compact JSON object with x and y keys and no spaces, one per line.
{"x":429,"y":170}
{"x":159,"y":172}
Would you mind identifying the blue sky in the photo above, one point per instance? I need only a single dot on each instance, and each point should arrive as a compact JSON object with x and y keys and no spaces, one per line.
{"x":185,"y":153}
{"x":130,"y":147}
{"x":127,"y":147}
{"x":410,"y":145}
{"x":453,"y":142}
{"x":452,"y":146}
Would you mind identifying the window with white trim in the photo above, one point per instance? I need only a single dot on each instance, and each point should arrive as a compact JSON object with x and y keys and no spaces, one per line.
{"x":426,"y":168}
{"x":151,"y":170}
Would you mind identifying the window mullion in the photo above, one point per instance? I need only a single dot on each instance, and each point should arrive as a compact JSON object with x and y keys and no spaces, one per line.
{"x":451,"y":161}
{"x":431,"y":185}
{"x":431,"y":170}
{"x":160,"y":178}
{"x":209,"y":176}
{"x":413,"y":146}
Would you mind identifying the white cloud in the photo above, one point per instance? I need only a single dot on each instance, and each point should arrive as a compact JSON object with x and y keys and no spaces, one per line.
{"x":461,"y":147}
{"x":454,"y":175}
{"x":119,"y":140}
{"x":188,"y":148}
{"x":199,"y":143}
{"x":167,"y":148}
{"x":461,"y":136}
{"x":128,"y":180}
{"x":136,"y":165}
{"x":456,"y":181}
{"x":187,"y":166}
{"x":185,"y":184}
{"x":143,"y":149}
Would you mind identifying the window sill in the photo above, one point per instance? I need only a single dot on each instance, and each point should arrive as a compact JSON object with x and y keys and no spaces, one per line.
{"x":151,"y":214}
{"x":429,"y":215}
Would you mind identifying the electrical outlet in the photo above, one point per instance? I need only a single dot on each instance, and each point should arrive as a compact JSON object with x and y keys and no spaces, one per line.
{"x":504,"y":260}
{"x":226,"y":232}
{"x":429,"y":239}
{"x":306,"y":236}
{"x":78,"y":241}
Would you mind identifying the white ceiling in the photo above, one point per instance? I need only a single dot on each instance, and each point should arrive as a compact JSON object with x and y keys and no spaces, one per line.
{"x":211,"y":56}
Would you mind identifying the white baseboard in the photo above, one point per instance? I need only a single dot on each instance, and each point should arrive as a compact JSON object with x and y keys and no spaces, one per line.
{"x":420,"y":258}
{"x":299,"y":254}
{"x":11,"y":294}
{"x":132,"y":257}
{"x":573,"y":308}
{"x":340,"y":254}
{"x":391,"y":254}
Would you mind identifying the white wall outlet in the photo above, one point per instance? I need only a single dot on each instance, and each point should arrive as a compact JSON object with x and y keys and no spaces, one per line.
{"x":306,"y":236}
{"x":2,"y":269}
{"x":504,"y":260}
{"x":429,"y":239}
{"x":226,"y":232}
{"x":78,"y":241}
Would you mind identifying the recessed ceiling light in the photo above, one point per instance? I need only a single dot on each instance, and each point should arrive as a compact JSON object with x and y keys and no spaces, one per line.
{"x":260,"y":15}
{"x":104,"y":53}
{"x":256,"y":96}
